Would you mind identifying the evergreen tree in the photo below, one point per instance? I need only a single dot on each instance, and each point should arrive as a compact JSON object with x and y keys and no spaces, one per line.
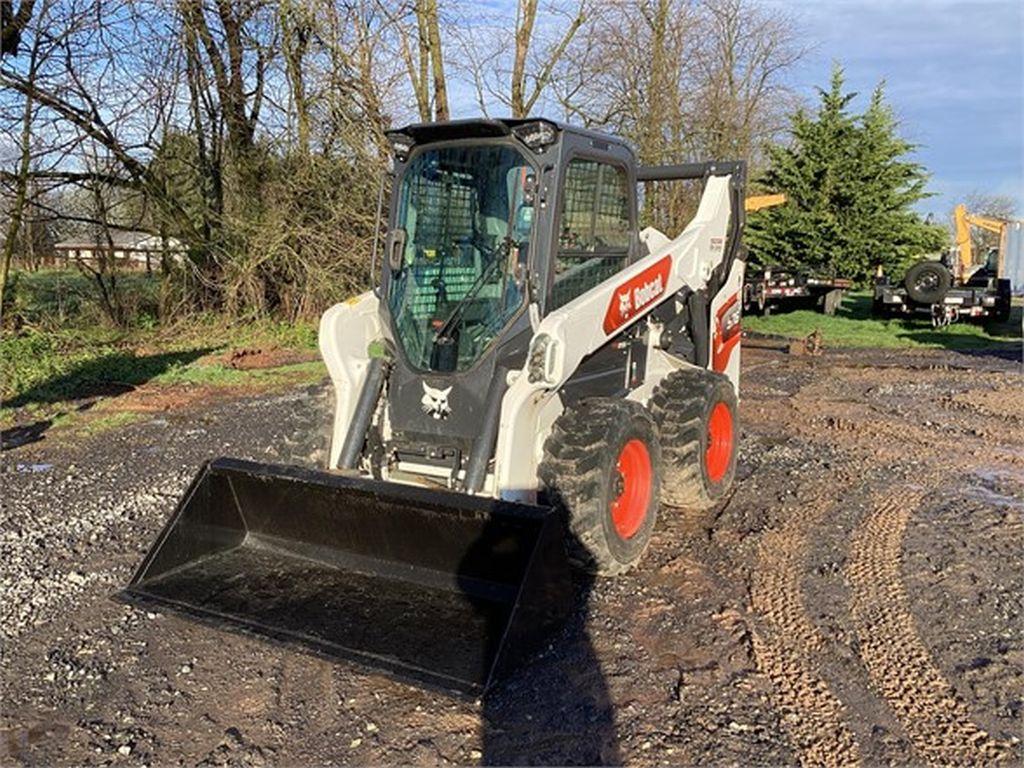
{"x":850,"y":189}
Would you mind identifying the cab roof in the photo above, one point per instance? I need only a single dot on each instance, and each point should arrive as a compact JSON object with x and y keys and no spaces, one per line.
{"x":451,"y":130}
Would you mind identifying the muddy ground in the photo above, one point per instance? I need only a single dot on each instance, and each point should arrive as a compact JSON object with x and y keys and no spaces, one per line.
{"x":858,"y":599}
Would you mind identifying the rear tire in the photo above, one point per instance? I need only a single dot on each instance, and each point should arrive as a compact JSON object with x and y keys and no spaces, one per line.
{"x":696,"y":414}
{"x":602,"y":467}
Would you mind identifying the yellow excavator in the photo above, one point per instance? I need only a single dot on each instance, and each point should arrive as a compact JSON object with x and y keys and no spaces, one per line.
{"x":757,"y":202}
{"x":995,"y":262}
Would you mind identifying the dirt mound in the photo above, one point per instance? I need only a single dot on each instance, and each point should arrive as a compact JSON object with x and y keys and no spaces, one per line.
{"x":273,"y":357}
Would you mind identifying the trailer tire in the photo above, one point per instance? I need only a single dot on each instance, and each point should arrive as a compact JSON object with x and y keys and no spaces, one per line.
{"x":1000,"y":316}
{"x":832,"y":301}
{"x":696,"y":414}
{"x":927,"y":282}
{"x":601,"y":469}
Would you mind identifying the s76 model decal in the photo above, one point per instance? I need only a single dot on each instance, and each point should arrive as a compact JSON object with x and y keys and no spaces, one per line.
{"x":636,"y":294}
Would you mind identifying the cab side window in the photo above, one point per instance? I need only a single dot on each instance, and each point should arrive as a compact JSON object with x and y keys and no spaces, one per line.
{"x":593,"y":231}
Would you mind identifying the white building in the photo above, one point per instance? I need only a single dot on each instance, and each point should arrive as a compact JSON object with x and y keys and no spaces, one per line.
{"x":132,"y":250}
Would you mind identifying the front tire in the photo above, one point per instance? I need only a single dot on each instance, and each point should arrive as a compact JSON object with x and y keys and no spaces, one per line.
{"x":602,"y":469}
{"x":698,"y":424}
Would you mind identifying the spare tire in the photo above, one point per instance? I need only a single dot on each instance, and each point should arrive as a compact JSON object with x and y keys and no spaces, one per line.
{"x":927,"y":282}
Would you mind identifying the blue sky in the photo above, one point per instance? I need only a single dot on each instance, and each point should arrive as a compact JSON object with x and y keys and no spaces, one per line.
{"x":954,"y":72}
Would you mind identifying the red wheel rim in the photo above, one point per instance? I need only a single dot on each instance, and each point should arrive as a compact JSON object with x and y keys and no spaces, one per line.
{"x":720,"y":442}
{"x":630,"y":507}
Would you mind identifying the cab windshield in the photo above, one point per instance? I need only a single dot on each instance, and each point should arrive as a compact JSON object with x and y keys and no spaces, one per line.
{"x":467,"y":224}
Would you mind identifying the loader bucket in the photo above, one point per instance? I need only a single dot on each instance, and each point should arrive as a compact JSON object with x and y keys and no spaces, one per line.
{"x":449,"y":589}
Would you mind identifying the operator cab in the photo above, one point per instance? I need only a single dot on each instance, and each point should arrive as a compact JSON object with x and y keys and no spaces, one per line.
{"x":479,"y":230}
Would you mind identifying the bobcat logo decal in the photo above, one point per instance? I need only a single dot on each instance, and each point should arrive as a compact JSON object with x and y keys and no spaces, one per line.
{"x":435,"y":401}
{"x":625,"y":305}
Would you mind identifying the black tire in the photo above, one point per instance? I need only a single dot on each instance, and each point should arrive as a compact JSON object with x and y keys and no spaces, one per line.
{"x":927,"y":282}
{"x":1000,"y":316}
{"x":581,"y":477}
{"x":682,"y":406}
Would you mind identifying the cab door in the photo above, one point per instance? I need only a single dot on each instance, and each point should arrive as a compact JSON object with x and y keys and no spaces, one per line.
{"x":594,"y":240}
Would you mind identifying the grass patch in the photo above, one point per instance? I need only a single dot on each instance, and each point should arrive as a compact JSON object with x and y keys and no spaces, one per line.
{"x":63,"y":366}
{"x":854,"y":326}
{"x":52,"y":297}
{"x":216,"y":375}
{"x":42,"y":371}
{"x":101,"y":423}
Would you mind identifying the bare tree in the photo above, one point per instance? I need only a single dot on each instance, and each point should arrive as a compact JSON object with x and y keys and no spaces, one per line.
{"x":14,"y":216}
{"x":102,"y":268}
{"x":255,"y":130}
{"x":513,"y":65}
{"x":297,"y":27}
{"x":425,"y":66}
{"x":521,"y":98}
{"x":237,"y":43}
{"x":683,"y":80}
{"x":364,"y":70}
{"x":88,"y":95}
{"x":742,"y":100}
{"x":12,"y":25}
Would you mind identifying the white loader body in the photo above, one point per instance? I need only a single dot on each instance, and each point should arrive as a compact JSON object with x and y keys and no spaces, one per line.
{"x":562,"y":340}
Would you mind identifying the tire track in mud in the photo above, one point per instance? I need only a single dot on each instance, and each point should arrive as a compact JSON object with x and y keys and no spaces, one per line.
{"x":1006,"y":403}
{"x":813,"y":716}
{"x":898,"y":663}
{"x":843,"y":410}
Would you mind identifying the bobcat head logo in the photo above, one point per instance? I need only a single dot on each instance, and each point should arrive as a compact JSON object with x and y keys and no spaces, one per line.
{"x":435,"y":401}
{"x":625,"y":305}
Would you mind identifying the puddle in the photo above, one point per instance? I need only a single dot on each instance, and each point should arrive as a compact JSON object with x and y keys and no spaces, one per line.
{"x":34,"y":468}
{"x":17,"y":741}
{"x":981,"y":493}
{"x":993,"y":482}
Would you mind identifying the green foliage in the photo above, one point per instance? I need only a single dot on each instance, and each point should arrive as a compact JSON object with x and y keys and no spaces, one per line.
{"x":56,"y":297}
{"x":308,"y":244}
{"x":851,"y":191}
{"x":854,"y":326}
{"x":175,"y":169}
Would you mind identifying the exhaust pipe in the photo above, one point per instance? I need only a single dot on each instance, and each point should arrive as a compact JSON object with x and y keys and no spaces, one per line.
{"x":447,"y":589}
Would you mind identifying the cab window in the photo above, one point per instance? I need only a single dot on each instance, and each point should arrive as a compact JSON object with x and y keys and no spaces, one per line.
{"x":593,"y":230}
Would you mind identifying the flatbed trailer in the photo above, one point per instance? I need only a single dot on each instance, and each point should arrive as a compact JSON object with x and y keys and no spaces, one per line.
{"x":773,"y":289}
{"x":981,"y":299}
{"x":954,"y":287}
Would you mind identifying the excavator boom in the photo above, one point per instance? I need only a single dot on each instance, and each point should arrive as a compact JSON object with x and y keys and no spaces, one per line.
{"x":963,"y":221}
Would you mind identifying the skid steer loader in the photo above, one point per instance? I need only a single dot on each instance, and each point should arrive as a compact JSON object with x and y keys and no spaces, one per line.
{"x":531,"y":377}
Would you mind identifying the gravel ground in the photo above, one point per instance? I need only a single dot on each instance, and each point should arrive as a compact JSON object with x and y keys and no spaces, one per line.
{"x":858,"y":599}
